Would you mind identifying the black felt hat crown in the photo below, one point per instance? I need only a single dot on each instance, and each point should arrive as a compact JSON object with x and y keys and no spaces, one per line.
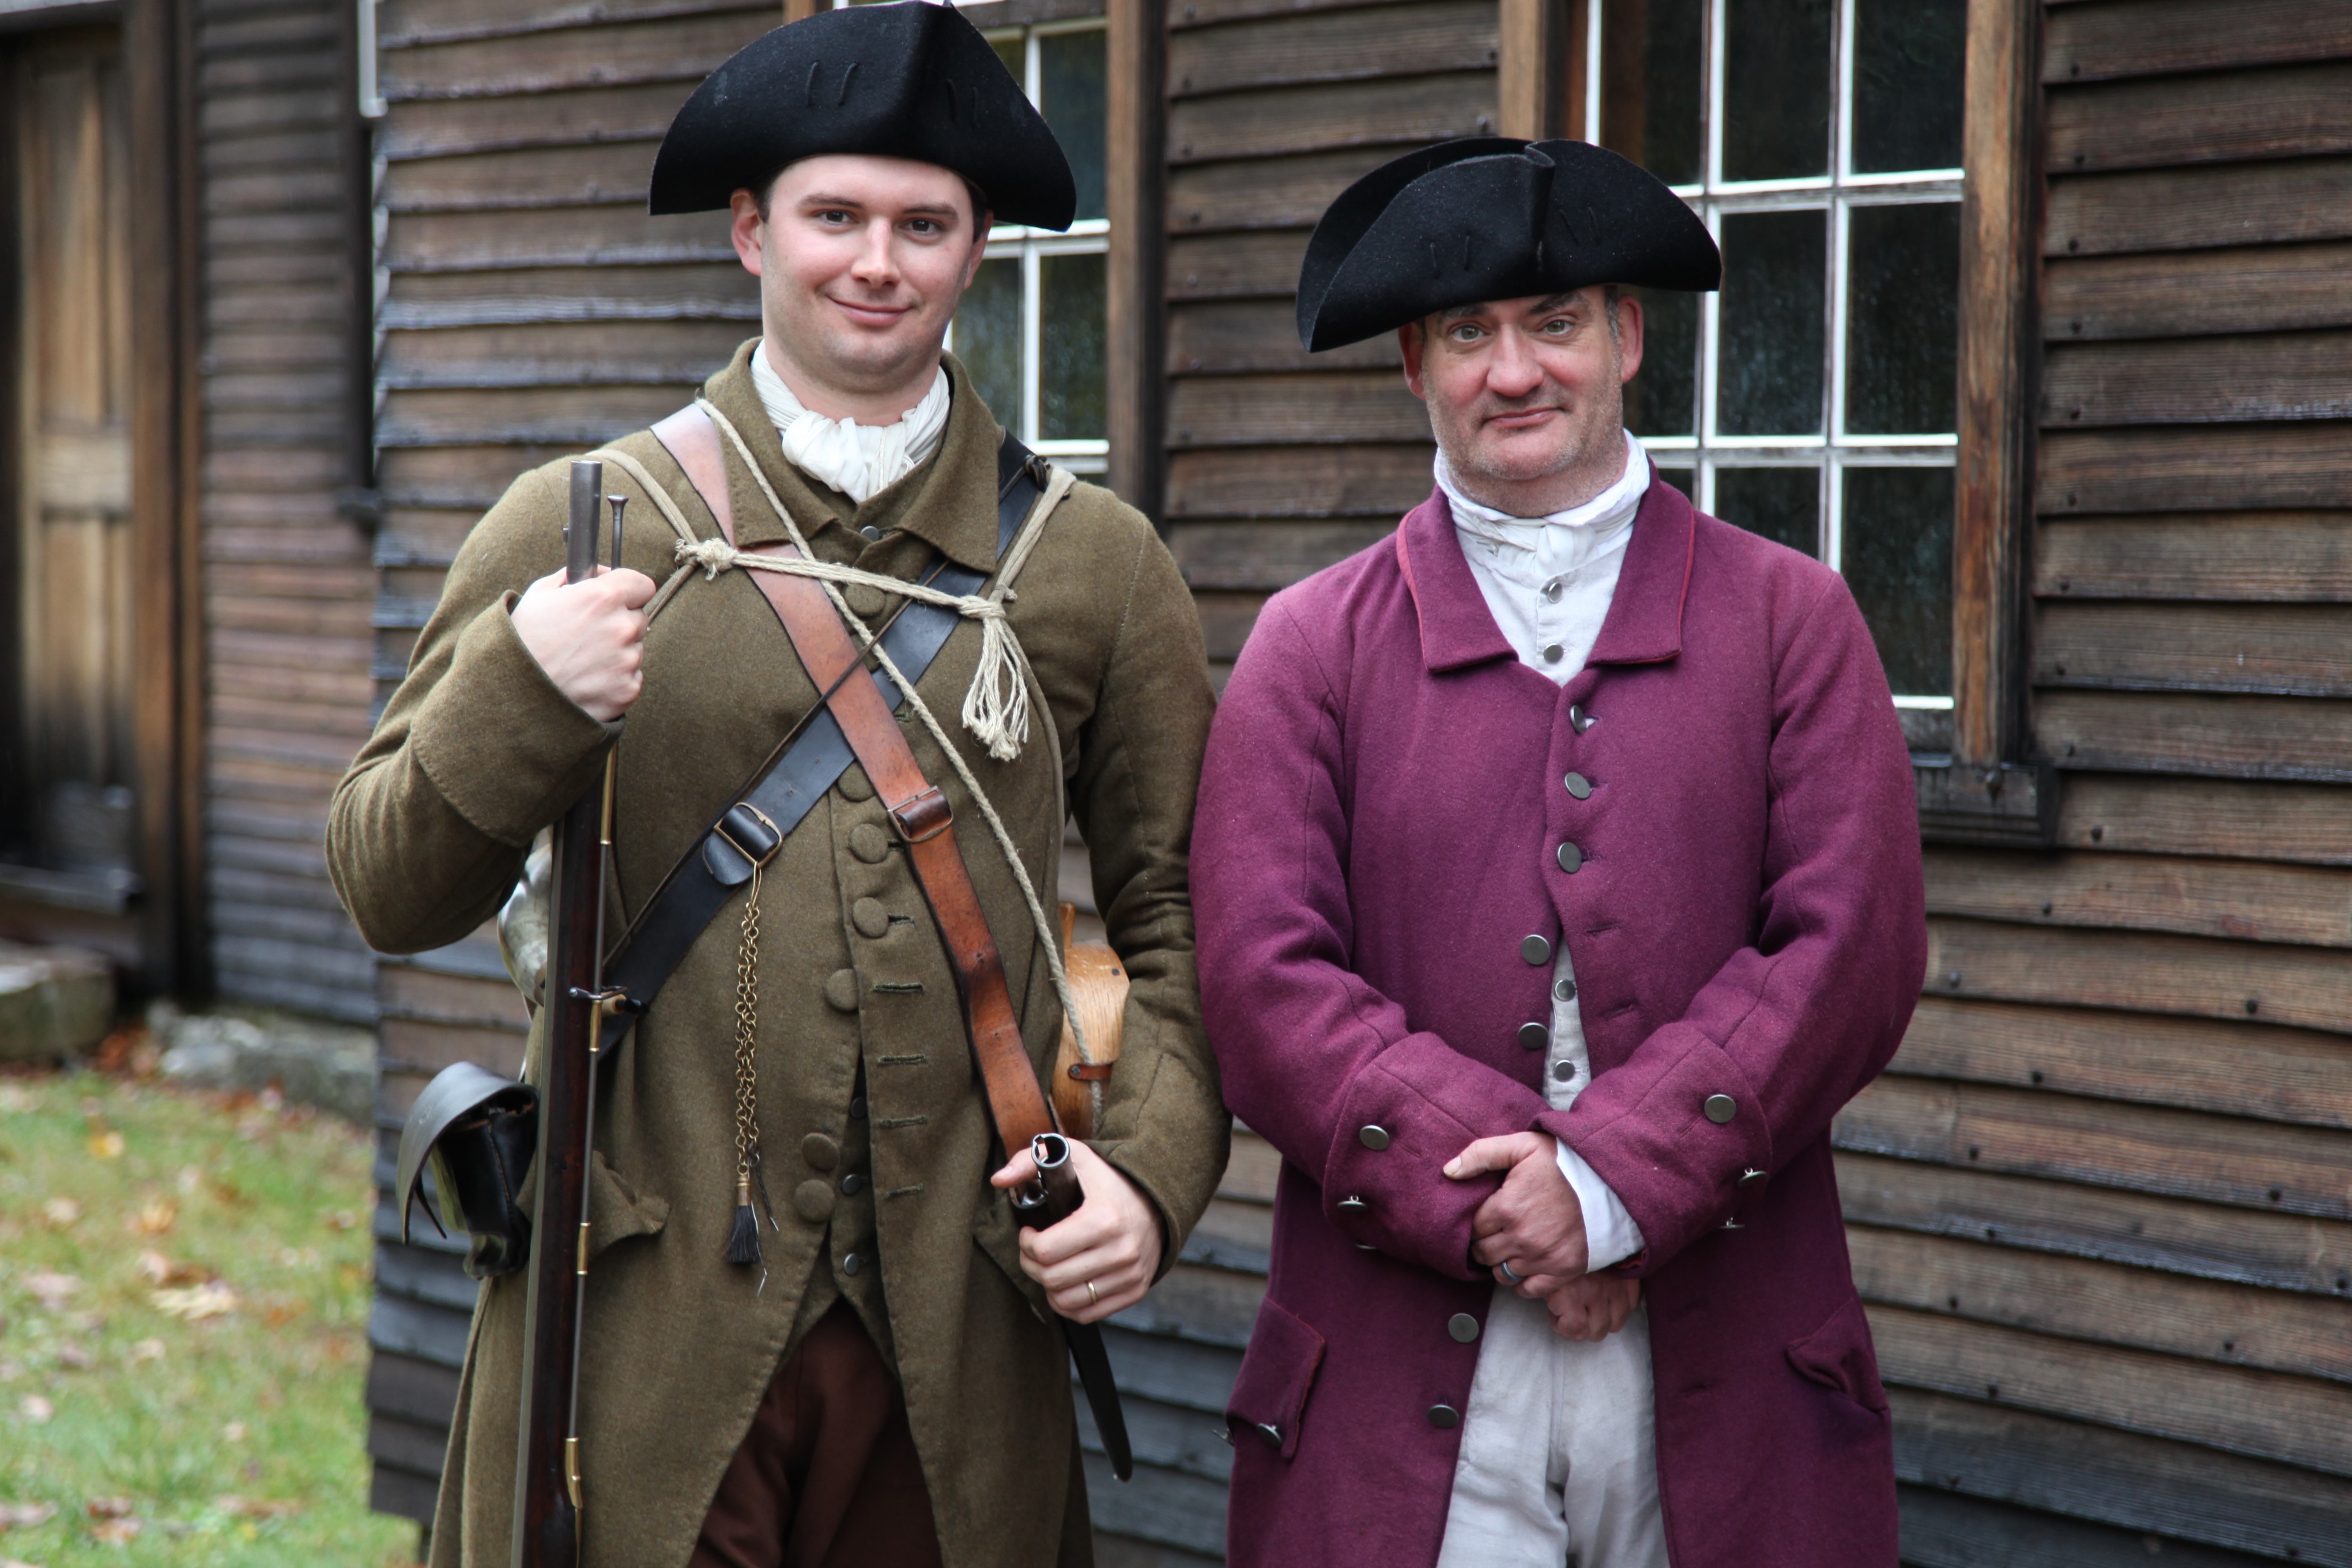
{"x":1492,"y":217}
{"x":905,"y":80}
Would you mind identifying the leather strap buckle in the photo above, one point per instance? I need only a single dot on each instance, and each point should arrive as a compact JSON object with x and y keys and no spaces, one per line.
{"x":923,"y":817}
{"x":750,"y":833}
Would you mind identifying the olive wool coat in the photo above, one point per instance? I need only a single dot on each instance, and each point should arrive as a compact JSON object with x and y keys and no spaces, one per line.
{"x":1384,"y":868}
{"x":477,"y":750}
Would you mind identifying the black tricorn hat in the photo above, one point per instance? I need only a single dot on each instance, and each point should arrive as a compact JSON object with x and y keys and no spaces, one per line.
{"x":1492,"y":217}
{"x":908,"y":81}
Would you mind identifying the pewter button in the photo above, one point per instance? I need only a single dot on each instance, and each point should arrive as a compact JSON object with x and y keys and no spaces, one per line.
{"x":1750,"y":1176}
{"x":1551,"y":592}
{"x":870,"y":531}
{"x":812,"y":1201}
{"x":1553,"y":653}
{"x":1578,"y":786}
{"x":1533,"y":1037}
{"x":820,"y":1152}
{"x":1571,"y":858}
{"x":1535,"y":950}
{"x":1373,"y":1136}
{"x":857,"y":1107}
{"x":1564,"y":989}
{"x":1564,"y":1071}
{"x":869,"y":917}
{"x":868,"y":843}
{"x":1444,"y":1416}
{"x":841,"y":990}
{"x":1463,"y":1327}
{"x":1578,"y":719}
{"x":851,"y":1263}
{"x":1352,"y":1205}
{"x":852,"y":1184}
{"x":1721,"y":1107}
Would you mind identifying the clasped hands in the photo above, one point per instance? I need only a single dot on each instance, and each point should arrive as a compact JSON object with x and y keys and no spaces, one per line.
{"x":1535,"y":1224}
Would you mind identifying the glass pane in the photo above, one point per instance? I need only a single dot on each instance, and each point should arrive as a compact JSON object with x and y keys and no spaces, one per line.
{"x":1902,"y":331}
{"x":1906,"y":84}
{"x":1654,"y":73}
{"x":1776,"y":89}
{"x":1896,"y":542}
{"x":1784,"y":505}
{"x":988,"y":337}
{"x":1662,"y":396}
{"x":1682,"y":479}
{"x":1770,"y":366}
{"x":1070,"y":81}
{"x":1071,"y":298}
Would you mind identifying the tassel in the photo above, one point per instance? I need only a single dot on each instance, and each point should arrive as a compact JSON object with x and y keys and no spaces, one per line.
{"x":744,"y":1240}
{"x":996,"y":704}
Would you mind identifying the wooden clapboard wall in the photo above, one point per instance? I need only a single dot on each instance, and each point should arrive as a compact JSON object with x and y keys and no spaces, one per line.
{"x":287,"y":582}
{"x":2099,"y":1206}
{"x":529,"y":309}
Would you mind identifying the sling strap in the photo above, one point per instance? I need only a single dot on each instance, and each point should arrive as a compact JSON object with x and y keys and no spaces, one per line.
{"x":808,"y":761}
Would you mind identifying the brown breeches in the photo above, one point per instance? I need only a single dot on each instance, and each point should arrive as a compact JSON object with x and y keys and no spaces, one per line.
{"x":827,"y":1475}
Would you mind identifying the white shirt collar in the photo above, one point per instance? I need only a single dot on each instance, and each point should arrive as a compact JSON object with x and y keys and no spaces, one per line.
{"x":858,"y":461}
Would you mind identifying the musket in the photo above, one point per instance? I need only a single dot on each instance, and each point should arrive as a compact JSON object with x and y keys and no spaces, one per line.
{"x":548,"y":1501}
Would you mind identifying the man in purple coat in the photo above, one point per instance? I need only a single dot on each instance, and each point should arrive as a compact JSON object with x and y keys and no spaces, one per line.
{"x":1557,"y":876}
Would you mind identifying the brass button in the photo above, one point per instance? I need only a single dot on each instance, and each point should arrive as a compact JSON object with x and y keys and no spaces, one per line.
{"x":841,"y":990}
{"x":1535,"y":1036}
{"x":851,"y":1263}
{"x":852,"y":1184}
{"x":1571,"y":858}
{"x":820,"y":1152}
{"x":1750,"y":1176}
{"x":1535,"y":950}
{"x":1463,"y":1327}
{"x":812,"y":1201}
{"x":1445,"y":1417}
{"x":854,"y":784}
{"x":869,"y":917}
{"x":864,"y":600}
{"x":1578,"y":786}
{"x":868,"y":843}
{"x":1352,"y":1205}
{"x":1373,"y":1136}
{"x":1721,"y":1107}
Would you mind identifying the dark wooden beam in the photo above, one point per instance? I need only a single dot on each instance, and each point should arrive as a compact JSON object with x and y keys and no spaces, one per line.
{"x":1135,"y":153}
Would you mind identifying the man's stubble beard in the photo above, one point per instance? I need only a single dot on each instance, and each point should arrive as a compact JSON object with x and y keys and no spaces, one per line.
{"x":1591,"y":438}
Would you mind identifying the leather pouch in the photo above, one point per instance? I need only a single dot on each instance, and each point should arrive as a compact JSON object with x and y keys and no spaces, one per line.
{"x":1269,"y":1398}
{"x":476,"y":1132}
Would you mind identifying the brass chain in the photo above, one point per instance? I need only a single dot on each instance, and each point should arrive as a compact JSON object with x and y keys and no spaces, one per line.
{"x":747,"y":1027}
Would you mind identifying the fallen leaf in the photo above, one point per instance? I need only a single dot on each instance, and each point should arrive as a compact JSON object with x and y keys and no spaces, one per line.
{"x":285,"y":1313}
{"x":116,"y":1531}
{"x":254,"y":1508}
{"x":233,"y":1433}
{"x":156,"y":1215}
{"x":51,"y":1290}
{"x":146,"y":1350}
{"x":72,"y":1357}
{"x":61,"y":1212}
{"x":106,"y":1145}
{"x":37,"y":1409}
{"x":197,"y":1302}
{"x":160,"y":1271}
{"x":26,"y":1515}
{"x":108,"y":1508}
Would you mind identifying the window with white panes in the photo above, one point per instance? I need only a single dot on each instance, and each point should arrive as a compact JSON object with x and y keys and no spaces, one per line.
{"x":1032,"y":329}
{"x":1813,"y":399}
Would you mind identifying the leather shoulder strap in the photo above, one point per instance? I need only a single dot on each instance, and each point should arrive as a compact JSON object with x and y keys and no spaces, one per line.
{"x":692,"y":441}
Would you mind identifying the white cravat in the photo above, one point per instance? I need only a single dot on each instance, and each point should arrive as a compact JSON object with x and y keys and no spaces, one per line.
{"x":1547,"y":581}
{"x":858,"y":461}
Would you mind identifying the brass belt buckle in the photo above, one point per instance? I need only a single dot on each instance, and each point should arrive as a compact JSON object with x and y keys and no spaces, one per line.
{"x":923,"y":817}
{"x":750,"y":833}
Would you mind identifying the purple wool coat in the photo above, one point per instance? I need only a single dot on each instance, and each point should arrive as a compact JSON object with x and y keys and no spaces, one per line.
{"x":1376,"y":874}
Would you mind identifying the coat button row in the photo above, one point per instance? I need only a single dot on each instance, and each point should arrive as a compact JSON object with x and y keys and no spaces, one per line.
{"x":1571,"y":858}
{"x":1720,"y":1108}
{"x":851,"y":1263}
{"x":1564,"y":989}
{"x":812,"y":1201}
{"x":869,"y":917}
{"x":820,"y":1151}
{"x":1463,"y":1327}
{"x":1352,"y":1205}
{"x":868,"y":843}
{"x":1578,"y":719}
{"x":841,"y":990}
{"x":852,"y":1184}
{"x":1444,"y":1416}
{"x":1535,"y":1036}
{"x":1372,"y":1136}
{"x":1535,"y":950}
{"x":1578,"y":786}
{"x":1749,"y":1177}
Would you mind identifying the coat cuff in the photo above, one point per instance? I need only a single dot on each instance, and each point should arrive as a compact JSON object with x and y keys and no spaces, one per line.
{"x":499,"y":739}
{"x":1408,"y":1111}
{"x":1611,"y":1237}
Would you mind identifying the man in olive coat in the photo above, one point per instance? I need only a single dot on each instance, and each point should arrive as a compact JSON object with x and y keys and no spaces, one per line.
{"x":940,"y":1427}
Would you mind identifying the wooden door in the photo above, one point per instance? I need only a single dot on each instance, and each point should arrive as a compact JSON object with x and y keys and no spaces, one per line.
{"x":71,"y":521}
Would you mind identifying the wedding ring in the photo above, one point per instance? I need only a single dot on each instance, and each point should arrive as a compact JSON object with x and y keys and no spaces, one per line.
{"x":1510,"y":1274}
{"x":1094,"y":1298}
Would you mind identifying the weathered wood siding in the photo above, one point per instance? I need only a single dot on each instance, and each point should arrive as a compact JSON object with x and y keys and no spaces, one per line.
{"x":2099,"y":1206}
{"x":287,"y":583}
{"x":530,"y":309}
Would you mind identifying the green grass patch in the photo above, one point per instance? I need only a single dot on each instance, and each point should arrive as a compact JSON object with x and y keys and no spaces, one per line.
{"x":184,"y":1298}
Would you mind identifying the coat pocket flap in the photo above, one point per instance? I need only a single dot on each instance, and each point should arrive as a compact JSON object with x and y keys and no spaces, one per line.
{"x":617,"y":1211}
{"x":1269,"y":1397}
{"x":1839,"y":1355}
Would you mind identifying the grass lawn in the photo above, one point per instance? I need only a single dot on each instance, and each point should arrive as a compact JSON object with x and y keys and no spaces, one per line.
{"x":183,"y":1297}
